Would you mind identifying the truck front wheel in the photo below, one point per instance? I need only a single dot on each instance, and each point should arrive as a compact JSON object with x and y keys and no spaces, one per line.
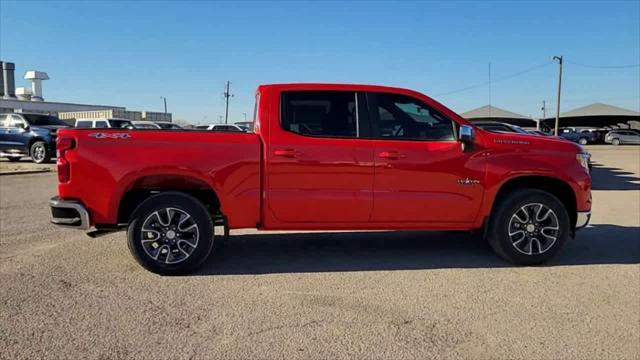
{"x":170,"y":233}
{"x":528,"y":227}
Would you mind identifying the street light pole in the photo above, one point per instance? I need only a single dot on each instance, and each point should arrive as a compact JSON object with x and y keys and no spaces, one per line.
{"x":559,"y":58}
{"x":164,"y":100}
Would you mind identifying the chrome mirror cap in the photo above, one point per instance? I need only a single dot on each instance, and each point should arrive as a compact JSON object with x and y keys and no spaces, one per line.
{"x":466,"y":134}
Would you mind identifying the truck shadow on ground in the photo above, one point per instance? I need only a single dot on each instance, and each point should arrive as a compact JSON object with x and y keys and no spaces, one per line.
{"x":373,"y":251}
{"x":608,"y":178}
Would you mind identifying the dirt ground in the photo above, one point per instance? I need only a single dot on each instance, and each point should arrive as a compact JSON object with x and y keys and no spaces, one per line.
{"x":324,"y":295}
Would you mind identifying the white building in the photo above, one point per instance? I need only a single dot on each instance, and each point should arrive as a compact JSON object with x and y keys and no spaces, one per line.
{"x":31,"y":100}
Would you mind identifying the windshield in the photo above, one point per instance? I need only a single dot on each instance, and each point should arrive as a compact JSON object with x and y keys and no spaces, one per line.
{"x":43,"y":120}
{"x":121,"y":124}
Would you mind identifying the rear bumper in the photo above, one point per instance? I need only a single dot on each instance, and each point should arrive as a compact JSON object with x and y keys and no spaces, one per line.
{"x":582,"y":219}
{"x":70,"y":214}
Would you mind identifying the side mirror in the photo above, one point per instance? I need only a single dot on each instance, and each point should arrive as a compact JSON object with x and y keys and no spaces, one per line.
{"x":466,"y":134}
{"x":466,"y":137}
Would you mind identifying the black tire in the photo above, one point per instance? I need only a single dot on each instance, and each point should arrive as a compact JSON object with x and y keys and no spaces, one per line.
{"x":505,"y":219}
{"x":180,"y":242}
{"x":615,"y":142}
{"x":39,"y":153}
{"x":583,"y":141}
{"x":14,"y":158}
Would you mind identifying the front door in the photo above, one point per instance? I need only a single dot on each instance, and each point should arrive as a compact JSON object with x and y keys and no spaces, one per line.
{"x":422,"y":175}
{"x":319,"y":170}
{"x":12,"y":137}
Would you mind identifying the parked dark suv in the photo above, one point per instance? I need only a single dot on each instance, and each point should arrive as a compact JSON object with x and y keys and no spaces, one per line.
{"x":581,"y":136}
{"x":29,"y":135}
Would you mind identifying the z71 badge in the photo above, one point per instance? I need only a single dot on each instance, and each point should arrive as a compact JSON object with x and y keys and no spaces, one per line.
{"x":110,"y":135}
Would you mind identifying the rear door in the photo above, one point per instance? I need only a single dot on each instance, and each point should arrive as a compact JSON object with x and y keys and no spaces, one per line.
{"x":630,"y":137}
{"x":319,"y":169}
{"x":421,"y":173}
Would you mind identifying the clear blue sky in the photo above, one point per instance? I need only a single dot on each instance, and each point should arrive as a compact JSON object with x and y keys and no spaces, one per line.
{"x":130,"y":54}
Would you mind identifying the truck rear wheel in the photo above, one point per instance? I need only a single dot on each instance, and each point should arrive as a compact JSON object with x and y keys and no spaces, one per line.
{"x":528,"y":227}
{"x":170,"y":233}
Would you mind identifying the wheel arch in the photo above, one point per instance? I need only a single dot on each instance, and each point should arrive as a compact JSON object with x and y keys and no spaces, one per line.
{"x":557,"y":187}
{"x":33,"y":141}
{"x":143,"y":187}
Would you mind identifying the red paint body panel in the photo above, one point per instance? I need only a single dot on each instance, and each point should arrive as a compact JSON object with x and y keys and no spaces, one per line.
{"x":103,"y":170}
{"x":275,"y":179}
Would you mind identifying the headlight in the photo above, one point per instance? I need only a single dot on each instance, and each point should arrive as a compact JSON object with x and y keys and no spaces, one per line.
{"x":583,"y":160}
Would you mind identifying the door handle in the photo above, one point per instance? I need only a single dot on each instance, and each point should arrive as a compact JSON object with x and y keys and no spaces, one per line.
{"x":290,"y":153}
{"x":392,"y":155}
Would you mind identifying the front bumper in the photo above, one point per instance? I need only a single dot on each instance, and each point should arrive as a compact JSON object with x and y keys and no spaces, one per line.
{"x":70,"y":214}
{"x":582,"y":219}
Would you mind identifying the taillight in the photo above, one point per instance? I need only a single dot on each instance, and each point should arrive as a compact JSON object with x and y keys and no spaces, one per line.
{"x":62,"y":146}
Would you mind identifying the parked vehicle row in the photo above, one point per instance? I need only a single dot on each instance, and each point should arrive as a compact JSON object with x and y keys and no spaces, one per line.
{"x":34,"y":135}
{"x":31,"y":135}
{"x":619,"y":137}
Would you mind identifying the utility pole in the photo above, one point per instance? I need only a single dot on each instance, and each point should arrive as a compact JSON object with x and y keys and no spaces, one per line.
{"x":559,"y":58}
{"x":489,"y":89}
{"x":227,"y":95}
{"x":544,"y":113}
{"x":164,"y":99}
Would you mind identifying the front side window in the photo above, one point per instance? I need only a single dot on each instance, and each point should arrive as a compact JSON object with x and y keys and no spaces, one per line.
{"x":320,"y":113}
{"x":403,"y":117}
{"x":101,"y":124}
{"x":16,"y":122}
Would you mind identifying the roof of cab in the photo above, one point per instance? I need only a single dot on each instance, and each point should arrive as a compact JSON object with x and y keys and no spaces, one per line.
{"x":330,"y":86}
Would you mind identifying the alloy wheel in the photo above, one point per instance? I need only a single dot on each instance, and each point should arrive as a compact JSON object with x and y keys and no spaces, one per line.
{"x":169,"y":235}
{"x":533,"y":229}
{"x":39,"y":153}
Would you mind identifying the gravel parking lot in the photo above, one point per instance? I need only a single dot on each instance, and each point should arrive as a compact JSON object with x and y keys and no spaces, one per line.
{"x":324,"y":295}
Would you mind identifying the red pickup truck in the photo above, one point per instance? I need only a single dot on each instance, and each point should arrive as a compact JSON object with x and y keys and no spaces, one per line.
{"x":323,"y":157}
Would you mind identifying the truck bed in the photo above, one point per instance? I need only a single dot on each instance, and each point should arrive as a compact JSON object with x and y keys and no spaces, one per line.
{"x":106,"y":164}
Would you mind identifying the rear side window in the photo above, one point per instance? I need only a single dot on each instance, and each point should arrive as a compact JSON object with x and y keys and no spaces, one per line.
{"x":320,"y":113}
{"x":83,"y":124}
{"x":400,"y":117}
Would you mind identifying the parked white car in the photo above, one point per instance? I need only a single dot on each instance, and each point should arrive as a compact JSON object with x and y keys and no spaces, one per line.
{"x":221,"y":127}
{"x":146,"y":125}
{"x":169,"y":125}
{"x":104,"y":123}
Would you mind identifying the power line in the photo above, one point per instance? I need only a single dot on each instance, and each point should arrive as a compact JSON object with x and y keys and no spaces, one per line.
{"x":603,"y":66}
{"x":502,"y":78}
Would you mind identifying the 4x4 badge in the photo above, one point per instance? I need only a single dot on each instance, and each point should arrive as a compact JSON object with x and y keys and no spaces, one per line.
{"x":467,"y":181}
{"x":110,"y":135}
